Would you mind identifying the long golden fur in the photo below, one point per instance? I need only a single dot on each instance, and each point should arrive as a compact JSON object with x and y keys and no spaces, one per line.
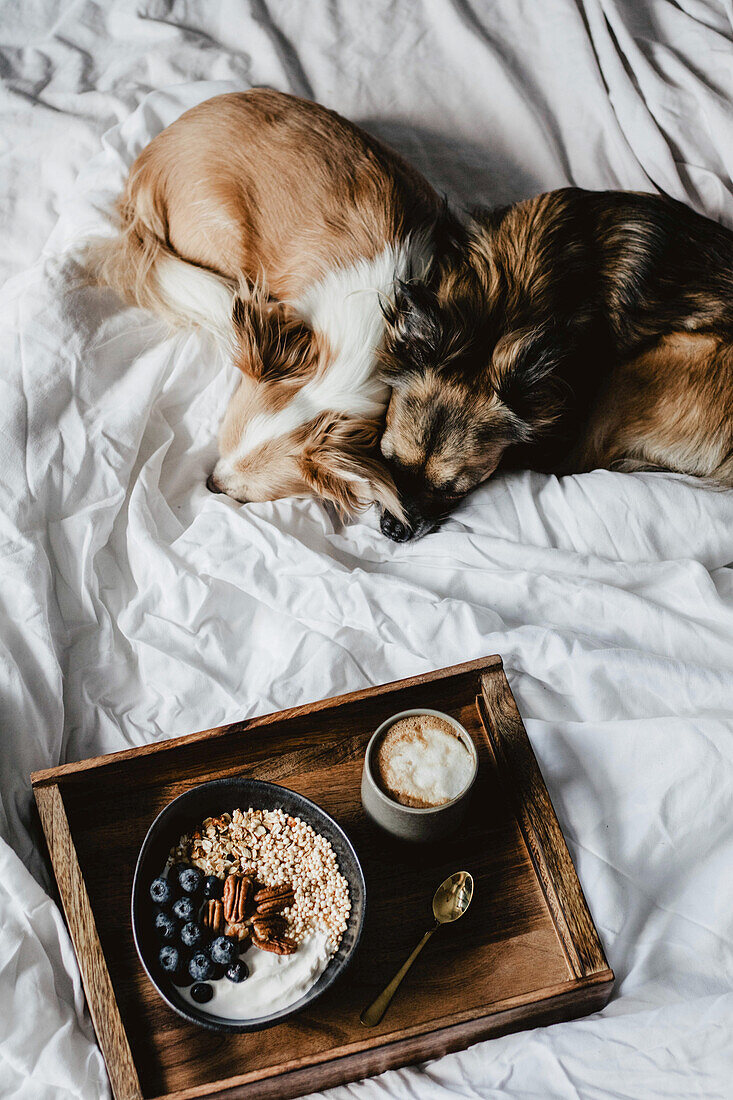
{"x":276,"y":225}
{"x":572,"y":331}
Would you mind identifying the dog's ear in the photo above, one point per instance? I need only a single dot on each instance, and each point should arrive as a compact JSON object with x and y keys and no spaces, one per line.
{"x":413,"y":334}
{"x":272,"y":343}
{"x":414,"y":315}
{"x":340,"y":463}
{"x":524,"y":373}
{"x":424,"y":331}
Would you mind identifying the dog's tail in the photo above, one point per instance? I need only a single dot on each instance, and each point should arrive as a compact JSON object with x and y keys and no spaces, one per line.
{"x":140,"y":266}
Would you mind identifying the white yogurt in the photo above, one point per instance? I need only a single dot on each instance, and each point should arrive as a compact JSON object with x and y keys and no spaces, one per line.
{"x":275,"y":981}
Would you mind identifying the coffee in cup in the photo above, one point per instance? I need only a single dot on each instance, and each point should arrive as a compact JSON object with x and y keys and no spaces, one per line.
{"x":422,"y":762}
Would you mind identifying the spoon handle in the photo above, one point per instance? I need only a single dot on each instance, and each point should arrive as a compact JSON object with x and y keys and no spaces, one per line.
{"x":371,"y":1016}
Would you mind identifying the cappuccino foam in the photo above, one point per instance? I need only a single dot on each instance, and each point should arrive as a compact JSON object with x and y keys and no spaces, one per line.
{"x":422,"y":762}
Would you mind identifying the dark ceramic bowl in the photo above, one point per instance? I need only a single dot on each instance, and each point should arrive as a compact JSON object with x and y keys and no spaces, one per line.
{"x":184,"y":814}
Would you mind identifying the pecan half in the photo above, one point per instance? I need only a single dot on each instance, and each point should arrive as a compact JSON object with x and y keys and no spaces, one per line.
{"x":274,"y":898}
{"x":269,"y":892}
{"x":278,"y":945}
{"x":212,"y":917}
{"x":268,"y":925}
{"x":237,"y":893}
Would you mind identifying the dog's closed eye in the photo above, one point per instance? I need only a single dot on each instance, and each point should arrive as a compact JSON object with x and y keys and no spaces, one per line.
{"x":446,"y":488}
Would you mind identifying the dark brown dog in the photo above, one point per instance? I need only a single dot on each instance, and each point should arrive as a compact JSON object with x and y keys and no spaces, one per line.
{"x":575,"y":330}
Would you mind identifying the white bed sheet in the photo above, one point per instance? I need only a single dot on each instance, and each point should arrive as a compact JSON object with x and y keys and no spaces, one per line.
{"x":135,"y":606}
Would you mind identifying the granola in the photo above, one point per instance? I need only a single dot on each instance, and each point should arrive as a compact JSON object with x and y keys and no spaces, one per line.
{"x":293,"y":867}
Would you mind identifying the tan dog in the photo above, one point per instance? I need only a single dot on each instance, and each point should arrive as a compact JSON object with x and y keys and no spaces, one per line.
{"x":281,"y":228}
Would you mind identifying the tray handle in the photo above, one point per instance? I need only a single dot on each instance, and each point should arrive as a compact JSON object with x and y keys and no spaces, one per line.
{"x":95,"y":976}
{"x":539,"y":825}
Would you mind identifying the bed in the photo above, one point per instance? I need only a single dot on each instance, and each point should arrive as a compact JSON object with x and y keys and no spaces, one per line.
{"x":136,"y":606}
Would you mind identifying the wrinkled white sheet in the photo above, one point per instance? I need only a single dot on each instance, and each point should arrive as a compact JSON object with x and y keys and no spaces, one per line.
{"x":135,"y":606}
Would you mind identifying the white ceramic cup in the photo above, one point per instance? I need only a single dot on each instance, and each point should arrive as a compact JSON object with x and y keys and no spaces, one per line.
{"x":411,"y":822}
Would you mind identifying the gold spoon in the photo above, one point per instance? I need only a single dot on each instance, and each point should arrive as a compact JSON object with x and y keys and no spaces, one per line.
{"x":452,"y":899}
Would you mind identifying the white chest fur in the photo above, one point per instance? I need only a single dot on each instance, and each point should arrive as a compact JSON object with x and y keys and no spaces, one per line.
{"x":346,"y":307}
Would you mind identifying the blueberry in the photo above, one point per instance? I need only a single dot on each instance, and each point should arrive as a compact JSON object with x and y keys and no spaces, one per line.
{"x":238,"y":971}
{"x":165,"y":926}
{"x":169,"y":958}
{"x":201,"y":992}
{"x":191,"y":935}
{"x":224,"y":950}
{"x":190,"y":879}
{"x":184,"y":909}
{"x":160,"y":891}
{"x":213,"y":887}
{"x":200,"y":967}
{"x":181,"y":976}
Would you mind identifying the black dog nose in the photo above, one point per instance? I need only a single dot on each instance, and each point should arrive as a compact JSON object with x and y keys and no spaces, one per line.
{"x":211,"y":485}
{"x":394,"y":528}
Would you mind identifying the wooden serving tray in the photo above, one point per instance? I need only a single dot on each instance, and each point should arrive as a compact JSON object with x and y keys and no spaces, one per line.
{"x":526,"y":953}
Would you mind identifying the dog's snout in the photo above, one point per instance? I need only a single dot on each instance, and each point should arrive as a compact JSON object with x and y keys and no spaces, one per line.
{"x":212,"y":484}
{"x":394,"y":528}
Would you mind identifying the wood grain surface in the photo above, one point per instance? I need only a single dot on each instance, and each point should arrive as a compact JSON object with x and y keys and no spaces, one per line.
{"x":80,"y":919}
{"x":540,"y":827}
{"x":525,"y":953}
